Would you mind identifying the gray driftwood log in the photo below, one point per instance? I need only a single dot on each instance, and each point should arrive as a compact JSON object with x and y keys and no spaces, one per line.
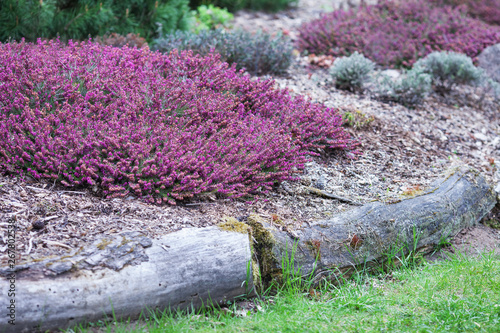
{"x":191,"y":267}
{"x":363,"y":236}
{"x":128,"y":274}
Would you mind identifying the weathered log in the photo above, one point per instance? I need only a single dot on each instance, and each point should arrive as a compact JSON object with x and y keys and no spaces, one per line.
{"x":365,"y":235}
{"x":195,"y":267}
{"x":127,"y":274}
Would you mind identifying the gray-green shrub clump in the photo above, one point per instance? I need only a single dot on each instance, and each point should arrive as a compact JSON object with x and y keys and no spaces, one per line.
{"x":492,"y":87}
{"x":352,"y":73}
{"x":258,"y":53}
{"x":410,"y":90}
{"x":449,"y":69}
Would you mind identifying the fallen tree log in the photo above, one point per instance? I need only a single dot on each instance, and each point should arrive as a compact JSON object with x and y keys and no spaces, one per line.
{"x":365,"y":236}
{"x":129,"y":273}
{"x":125,"y":275}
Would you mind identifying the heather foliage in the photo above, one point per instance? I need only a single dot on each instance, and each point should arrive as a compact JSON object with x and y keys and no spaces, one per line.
{"x":396,"y":34}
{"x":448,"y":69}
{"x":485,"y":10}
{"x":77,"y":19}
{"x":351,"y":72}
{"x":410,"y":90}
{"x":258,"y":53}
{"x":163,"y":127}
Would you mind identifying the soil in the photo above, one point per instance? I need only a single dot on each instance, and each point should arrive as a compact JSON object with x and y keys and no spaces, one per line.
{"x":403,"y":152}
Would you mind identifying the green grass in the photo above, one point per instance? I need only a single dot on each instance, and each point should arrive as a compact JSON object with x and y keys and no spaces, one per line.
{"x":457,"y":295}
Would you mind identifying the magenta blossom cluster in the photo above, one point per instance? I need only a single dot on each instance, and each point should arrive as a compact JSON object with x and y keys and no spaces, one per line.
{"x":396,"y":34}
{"x":164,"y":127}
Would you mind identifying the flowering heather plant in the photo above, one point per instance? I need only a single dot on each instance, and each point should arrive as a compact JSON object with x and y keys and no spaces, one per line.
{"x":396,"y":34}
{"x":161,"y":126}
{"x":485,"y":10}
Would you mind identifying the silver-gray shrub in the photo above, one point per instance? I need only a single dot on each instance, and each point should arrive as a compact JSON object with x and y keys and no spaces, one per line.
{"x":410,"y":89}
{"x":491,"y":87}
{"x":258,"y":53}
{"x":353,"y":72}
{"x":448,"y":69}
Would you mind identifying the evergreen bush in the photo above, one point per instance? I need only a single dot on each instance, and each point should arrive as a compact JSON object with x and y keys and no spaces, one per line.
{"x":258,"y":53}
{"x":79,"y":19}
{"x":351,"y":73}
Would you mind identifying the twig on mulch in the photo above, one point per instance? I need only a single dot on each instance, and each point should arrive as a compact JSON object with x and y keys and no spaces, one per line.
{"x":332,"y":196}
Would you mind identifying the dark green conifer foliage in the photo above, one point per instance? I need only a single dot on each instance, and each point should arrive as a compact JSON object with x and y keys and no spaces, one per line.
{"x":25,"y":18}
{"x":79,"y":19}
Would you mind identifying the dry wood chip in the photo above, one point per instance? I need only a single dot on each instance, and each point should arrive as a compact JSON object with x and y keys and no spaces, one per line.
{"x":54,"y":243}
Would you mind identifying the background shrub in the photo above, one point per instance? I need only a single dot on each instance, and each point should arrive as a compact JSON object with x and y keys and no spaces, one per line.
{"x":235,"y":5}
{"x":258,"y":53}
{"x":485,"y":10}
{"x":77,"y":19}
{"x":117,"y":40}
{"x":211,"y":17}
{"x":489,"y":61}
{"x":410,"y":89}
{"x":396,"y":34}
{"x":163,"y":127}
{"x":352,"y":72}
{"x":492,"y":87}
{"x":357,"y":119}
{"x":448,"y":69}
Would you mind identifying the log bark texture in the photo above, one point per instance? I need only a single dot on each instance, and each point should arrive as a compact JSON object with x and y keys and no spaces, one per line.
{"x":128,"y":274}
{"x":365,"y":235}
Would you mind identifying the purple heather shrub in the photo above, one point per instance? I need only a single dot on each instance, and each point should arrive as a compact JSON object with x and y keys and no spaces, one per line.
{"x":396,"y":34}
{"x":485,"y":10}
{"x":164,"y":127}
